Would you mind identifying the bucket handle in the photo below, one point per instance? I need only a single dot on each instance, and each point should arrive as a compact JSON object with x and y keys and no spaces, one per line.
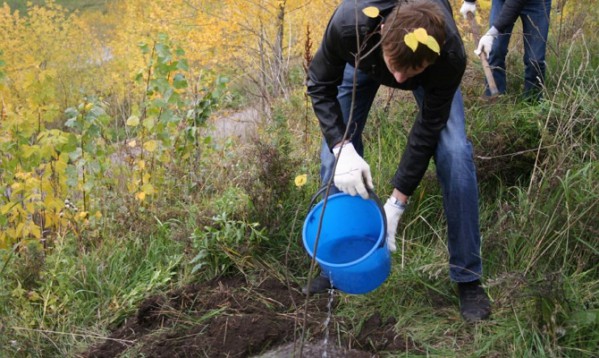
{"x":371,"y":195}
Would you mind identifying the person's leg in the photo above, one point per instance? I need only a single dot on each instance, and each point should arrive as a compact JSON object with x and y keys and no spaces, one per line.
{"x":535,"y":25}
{"x":366,"y":89}
{"x":498,"y":51}
{"x":457,"y":177}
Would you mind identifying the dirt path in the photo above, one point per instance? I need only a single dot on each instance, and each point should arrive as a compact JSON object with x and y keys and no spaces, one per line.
{"x":238,"y":125}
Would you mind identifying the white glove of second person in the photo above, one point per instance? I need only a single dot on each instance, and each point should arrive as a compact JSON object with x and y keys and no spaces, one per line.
{"x":486,"y":42}
{"x":466,"y":8}
{"x":393,"y":211}
{"x":352,"y":171}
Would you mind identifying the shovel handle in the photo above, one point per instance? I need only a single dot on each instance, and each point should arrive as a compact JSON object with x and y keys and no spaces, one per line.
{"x":482,"y":56}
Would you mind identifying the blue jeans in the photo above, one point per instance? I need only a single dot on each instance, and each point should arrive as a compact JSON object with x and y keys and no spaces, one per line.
{"x":535,"y":27}
{"x":455,"y":171}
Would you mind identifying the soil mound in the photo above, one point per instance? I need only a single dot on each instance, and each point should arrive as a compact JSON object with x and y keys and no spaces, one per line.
{"x":230,"y":317}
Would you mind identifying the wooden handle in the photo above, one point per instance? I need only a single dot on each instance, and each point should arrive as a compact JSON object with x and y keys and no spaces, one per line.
{"x":482,"y":56}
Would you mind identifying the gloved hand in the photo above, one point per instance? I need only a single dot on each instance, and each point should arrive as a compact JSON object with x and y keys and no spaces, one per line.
{"x":393,"y":212}
{"x":466,"y":8}
{"x":486,"y":42}
{"x":351,"y":172}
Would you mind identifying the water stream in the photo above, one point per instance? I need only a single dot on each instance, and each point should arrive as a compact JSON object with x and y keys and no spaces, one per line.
{"x":318,"y":349}
{"x":327,"y":321}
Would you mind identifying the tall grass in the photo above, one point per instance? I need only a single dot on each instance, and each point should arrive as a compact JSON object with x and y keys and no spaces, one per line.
{"x":539,"y":205}
{"x":80,"y":295}
{"x":21,"y":6}
{"x":539,"y":214}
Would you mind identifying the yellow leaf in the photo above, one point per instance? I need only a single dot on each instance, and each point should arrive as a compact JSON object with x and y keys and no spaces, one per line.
{"x":148,"y":189}
{"x":421,"y":35}
{"x":301,"y":180}
{"x":411,"y":41}
{"x":151,"y":145}
{"x":140,"y":196}
{"x":371,"y":11}
{"x":82,"y":215}
{"x":33,"y":296}
{"x":141,"y":164}
{"x":98,"y":214}
{"x":133,"y":121}
{"x":433,"y":45}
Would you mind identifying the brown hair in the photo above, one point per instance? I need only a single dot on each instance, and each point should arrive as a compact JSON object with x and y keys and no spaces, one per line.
{"x":406,"y":17}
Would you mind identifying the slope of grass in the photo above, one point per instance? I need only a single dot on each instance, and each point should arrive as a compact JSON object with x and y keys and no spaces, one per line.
{"x":80,"y":5}
{"x":237,"y":210}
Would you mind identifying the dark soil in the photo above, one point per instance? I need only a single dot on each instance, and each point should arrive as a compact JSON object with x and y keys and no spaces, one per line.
{"x":229,"y":317}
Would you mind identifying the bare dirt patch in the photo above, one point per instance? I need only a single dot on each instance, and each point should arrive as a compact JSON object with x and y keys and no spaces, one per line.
{"x":230,"y":317}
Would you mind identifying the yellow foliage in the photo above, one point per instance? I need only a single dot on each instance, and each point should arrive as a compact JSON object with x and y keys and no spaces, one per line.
{"x":45,"y":53}
{"x":151,"y":145}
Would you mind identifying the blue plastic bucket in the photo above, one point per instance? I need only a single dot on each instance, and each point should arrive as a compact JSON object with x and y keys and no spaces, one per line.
{"x":352,"y":249}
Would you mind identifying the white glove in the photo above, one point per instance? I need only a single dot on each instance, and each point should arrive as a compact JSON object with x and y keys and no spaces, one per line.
{"x":466,"y":8}
{"x":351,"y":172}
{"x":486,"y":42}
{"x":393,"y":212}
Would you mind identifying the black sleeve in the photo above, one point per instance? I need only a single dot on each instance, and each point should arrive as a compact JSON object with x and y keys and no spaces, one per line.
{"x":509,"y":14}
{"x":324,"y":76}
{"x":440,"y":85}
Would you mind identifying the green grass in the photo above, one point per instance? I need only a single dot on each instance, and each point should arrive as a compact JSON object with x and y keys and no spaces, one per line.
{"x":539,"y":209}
{"x":80,"y":5}
{"x":82,"y":293}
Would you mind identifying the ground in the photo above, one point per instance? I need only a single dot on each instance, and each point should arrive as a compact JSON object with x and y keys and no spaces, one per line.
{"x":230,"y":317}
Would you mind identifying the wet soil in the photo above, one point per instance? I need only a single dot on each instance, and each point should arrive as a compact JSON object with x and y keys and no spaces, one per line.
{"x":230,"y":317}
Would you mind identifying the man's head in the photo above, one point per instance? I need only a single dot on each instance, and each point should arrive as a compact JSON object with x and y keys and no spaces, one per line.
{"x":407,"y":60}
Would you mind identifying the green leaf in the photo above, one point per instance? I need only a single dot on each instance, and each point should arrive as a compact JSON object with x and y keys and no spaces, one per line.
{"x":88,"y":186}
{"x":182,"y":64}
{"x":179,"y":81}
{"x":71,"y":143}
{"x":133,"y":121}
{"x":72,"y":176}
{"x":71,"y":112}
{"x":149,"y":122}
{"x":71,"y":123}
{"x":585,"y":318}
{"x":144,"y":47}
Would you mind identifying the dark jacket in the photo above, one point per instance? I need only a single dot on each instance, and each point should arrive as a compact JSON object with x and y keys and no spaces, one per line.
{"x":510,"y":11}
{"x":439,"y":81}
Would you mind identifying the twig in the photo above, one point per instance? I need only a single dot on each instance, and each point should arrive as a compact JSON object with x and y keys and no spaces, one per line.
{"x":124,"y":341}
{"x":518,"y":153}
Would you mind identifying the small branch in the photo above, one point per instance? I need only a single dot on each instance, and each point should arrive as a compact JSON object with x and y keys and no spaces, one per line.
{"x":124,"y":341}
{"x":516,"y":153}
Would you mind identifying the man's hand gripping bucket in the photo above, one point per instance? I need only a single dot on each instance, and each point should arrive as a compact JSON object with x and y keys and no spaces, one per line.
{"x":351,"y":246}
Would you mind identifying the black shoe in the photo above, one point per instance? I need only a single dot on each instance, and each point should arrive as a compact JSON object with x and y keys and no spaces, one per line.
{"x":474,"y":302}
{"x":319,"y":284}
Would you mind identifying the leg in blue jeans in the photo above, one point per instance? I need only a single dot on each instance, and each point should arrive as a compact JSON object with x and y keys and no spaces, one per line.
{"x":457,"y":176}
{"x":455,"y":170}
{"x":535,"y":26}
{"x":499,"y":51}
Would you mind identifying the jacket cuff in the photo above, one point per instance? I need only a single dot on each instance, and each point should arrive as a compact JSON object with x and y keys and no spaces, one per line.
{"x":405,"y":188}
